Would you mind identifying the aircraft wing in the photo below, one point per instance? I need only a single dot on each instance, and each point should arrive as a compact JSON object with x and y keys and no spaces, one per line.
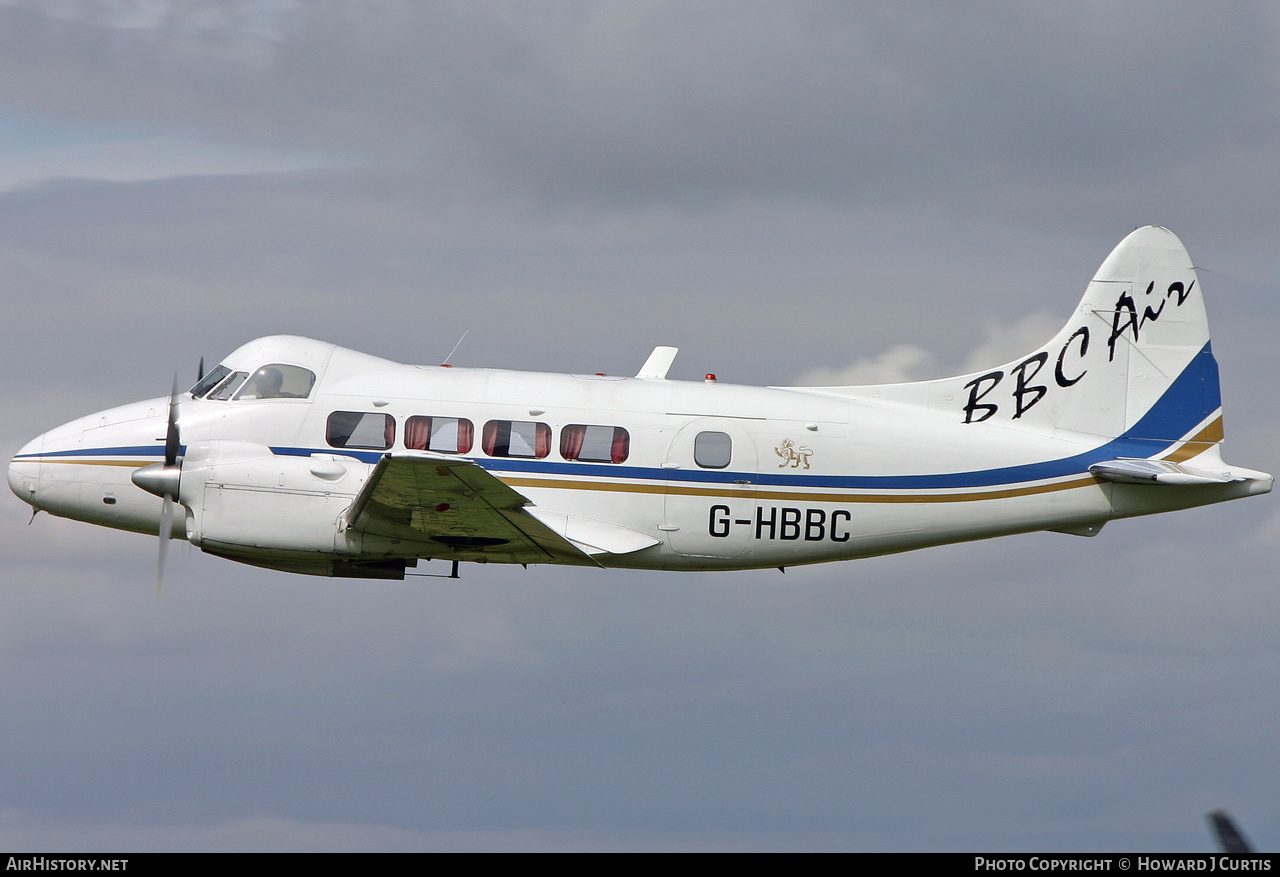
{"x":455,"y":510}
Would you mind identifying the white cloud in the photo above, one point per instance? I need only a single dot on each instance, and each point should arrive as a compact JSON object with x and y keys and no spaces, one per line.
{"x":907,"y":362}
{"x":1003,"y":343}
{"x":898,"y":364}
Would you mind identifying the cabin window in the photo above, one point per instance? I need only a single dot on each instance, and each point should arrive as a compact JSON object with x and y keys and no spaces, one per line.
{"x":444,"y":435}
{"x":223,"y":391}
{"x":278,"y":381}
{"x":594,"y":444}
{"x":361,"y":429}
{"x":209,"y":381}
{"x":516,"y":438}
{"x":712,"y":450}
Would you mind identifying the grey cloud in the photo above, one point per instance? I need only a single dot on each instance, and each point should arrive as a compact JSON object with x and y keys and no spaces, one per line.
{"x":642,"y":102}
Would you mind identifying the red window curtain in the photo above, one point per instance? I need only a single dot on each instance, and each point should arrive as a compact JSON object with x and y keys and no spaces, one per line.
{"x":544,"y":441}
{"x":389,"y":431}
{"x":490,"y":437}
{"x":621,"y":445}
{"x":465,"y":436}
{"x":417,"y":433}
{"x":571,"y":441}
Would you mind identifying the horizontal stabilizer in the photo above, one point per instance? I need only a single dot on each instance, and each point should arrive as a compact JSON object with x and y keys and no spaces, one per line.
{"x":1160,"y":472}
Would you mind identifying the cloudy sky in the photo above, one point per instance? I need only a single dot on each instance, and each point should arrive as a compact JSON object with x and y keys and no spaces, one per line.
{"x":786,"y":191}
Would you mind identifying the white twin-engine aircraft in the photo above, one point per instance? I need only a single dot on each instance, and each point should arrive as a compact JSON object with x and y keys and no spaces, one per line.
{"x":302,"y":456}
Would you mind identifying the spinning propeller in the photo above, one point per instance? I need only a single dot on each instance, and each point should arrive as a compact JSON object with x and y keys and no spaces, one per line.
{"x":163,"y":479}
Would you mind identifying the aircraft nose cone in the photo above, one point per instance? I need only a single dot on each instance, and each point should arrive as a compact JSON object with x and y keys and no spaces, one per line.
{"x":24,"y":470}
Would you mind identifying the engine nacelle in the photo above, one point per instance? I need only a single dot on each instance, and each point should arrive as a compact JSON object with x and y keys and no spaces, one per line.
{"x":243,"y":498}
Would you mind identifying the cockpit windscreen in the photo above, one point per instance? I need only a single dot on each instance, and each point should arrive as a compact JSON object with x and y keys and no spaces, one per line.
{"x":275,"y":381}
{"x":278,"y":381}
{"x":209,"y":381}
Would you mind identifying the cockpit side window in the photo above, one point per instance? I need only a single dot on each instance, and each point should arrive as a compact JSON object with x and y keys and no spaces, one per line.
{"x":223,"y":391}
{"x":209,"y":381}
{"x":278,"y":381}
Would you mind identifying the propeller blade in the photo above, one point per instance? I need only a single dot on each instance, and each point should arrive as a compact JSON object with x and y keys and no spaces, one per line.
{"x":1230,"y":840}
{"x":200,"y":371}
{"x":171,"y":443}
{"x":166,"y":533}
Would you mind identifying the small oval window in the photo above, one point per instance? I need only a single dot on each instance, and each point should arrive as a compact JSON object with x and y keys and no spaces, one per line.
{"x":712,"y":450}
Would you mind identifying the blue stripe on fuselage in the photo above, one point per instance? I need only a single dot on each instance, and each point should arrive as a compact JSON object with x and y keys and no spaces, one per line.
{"x":1191,"y":398}
{"x":133,"y":451}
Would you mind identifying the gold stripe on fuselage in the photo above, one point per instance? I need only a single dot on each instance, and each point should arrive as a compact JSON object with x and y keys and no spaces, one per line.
{"x":804,"y":496}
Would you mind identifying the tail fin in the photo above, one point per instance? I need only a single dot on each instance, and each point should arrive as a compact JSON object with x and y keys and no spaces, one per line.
{"x":1132,"y":363}
{"x":1131,"y":377}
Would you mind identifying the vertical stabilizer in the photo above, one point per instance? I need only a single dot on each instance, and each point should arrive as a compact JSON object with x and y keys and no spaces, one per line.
{"x":1133,"y":361}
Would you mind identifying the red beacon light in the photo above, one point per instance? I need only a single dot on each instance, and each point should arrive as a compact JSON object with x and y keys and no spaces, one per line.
{"x":711,"y":379}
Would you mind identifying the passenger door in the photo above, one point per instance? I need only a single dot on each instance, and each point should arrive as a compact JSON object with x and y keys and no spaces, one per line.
{"x":711,"y":489}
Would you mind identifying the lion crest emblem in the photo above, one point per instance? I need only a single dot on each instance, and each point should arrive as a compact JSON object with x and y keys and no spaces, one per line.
{"x":792,"y":455}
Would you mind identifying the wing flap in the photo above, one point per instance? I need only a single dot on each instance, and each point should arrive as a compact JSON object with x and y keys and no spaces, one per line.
{"x":455,"y":509}
{"x":595,"y":537}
